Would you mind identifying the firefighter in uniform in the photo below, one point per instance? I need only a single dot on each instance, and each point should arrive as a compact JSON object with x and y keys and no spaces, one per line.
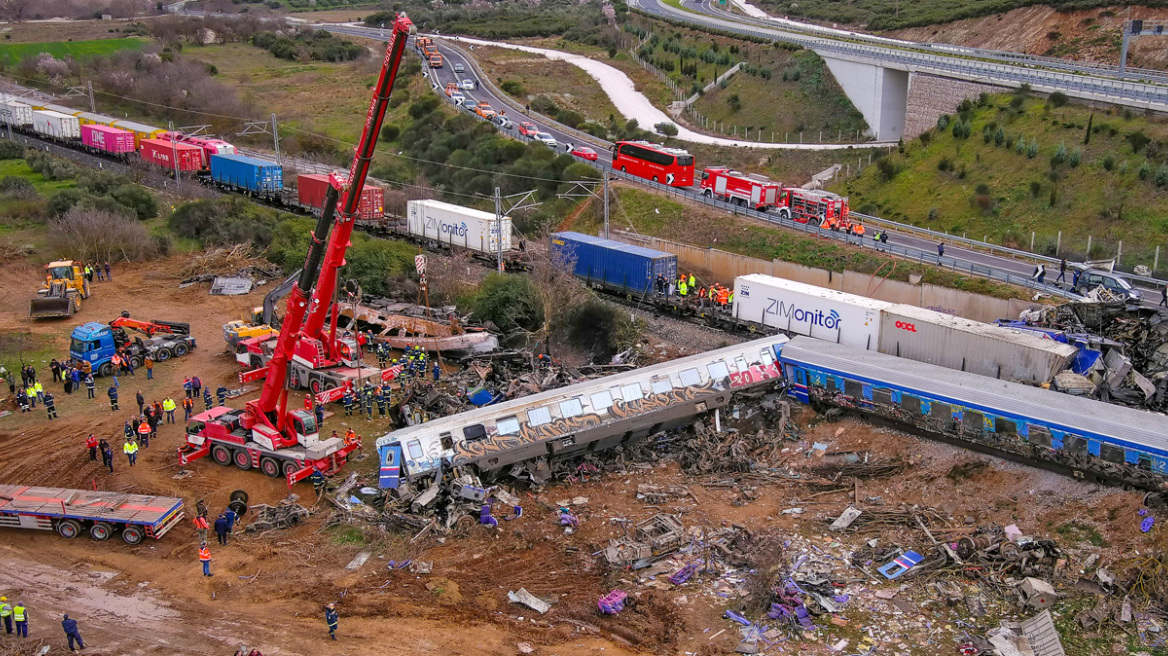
{"x":367,"y":400}
{"x":113,"y":397}
{"x":382,"y":355}
{"x":379,"y":395}
{"x":347,"y":399}
{"x":207,"y":398}
{"x":221,"y":394}
{"x":51,"y":405}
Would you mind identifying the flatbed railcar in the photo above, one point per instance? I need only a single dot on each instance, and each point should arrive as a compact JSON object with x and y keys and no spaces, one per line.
{"x":102,"y":515}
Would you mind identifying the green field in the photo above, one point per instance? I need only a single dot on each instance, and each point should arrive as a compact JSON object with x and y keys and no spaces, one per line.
{"x":14,"y":53}
{"x":20,"y":169}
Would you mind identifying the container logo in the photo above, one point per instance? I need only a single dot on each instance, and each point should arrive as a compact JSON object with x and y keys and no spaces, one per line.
{"x":829,"y":320}
{"x":453,"y":229}
{"x":904,"y":325}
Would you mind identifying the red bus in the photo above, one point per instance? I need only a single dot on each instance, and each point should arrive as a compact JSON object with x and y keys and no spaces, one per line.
{"x":655,"y":162}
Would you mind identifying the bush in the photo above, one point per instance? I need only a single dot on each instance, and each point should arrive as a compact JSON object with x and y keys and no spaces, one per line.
{"x":92,"y":235}
{"x":1032,"y":151}
{"x":17,"y":187}
{"x":1060,"y":155}
{"x":514,"y":88}
{"x":390,"y":133}
{"x":11,"y":150}
{"x":1109,"y":163}
{"x":1020,"y":145}
{"x":943,"y":122}
{"x":1145,"y":170}
{"x":63,"y":201}
{"x":1057,"y":99}
{"x":1162,"y":176}
{"x":982,"y":189}
{"x":926,"y":137}
{"x":100,"y":182}
{"x":137,"y":199}
{"x":423,"y":106}
{"x":667,"y":129}
{"x":735,"y":102}
{"x":594,"y":327}
{"x":512,"y":303}
{"x":1076,"y":158}
{"x":223,"y":222}
{"x":1137,"y":140}
{"x":999,"y":136}
{"x":933,"y":213}
{"x":1016,"y":102}
{"x":1035,"y":188}
{"x":887,"y":168}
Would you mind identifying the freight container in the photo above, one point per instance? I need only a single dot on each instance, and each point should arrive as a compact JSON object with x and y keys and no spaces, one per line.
{"x":163,"y":153}
{"x":613,"y":265}
{"x":61,"y":109}
{"x":107,"y":140}
{"x":15,"y":112}
{"x":210,"y":146}
{"x":141,"y":131}
{"x":965,"y":345}
{"x":458,"y":226}
{"x":249,"y":174}
{"x":311,"y":189}
{"x":55,"y":125}
{"x":800,"y":309}
{"x":89,"y":118}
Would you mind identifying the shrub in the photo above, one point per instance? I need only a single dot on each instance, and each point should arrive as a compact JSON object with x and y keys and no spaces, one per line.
{"x":1035,"y":188}
{"x":92,"y":235}
{"x":1057,"y":99}
{"x":512,"y":303}
{"x":1020,"y":145}
{"x":926,"y":137}
{"x":982,"y":189}
{"x":1109,"y":162}
{"x":17,"y":187}
{"x":596,"y":327}
{"x":1032,"y":151}
{"x":999,"y":137}
{"x":390,"y":132}
{"x":11,"y":150}
{"x":1060,"y":155}
{"x":735,"y":102}
{"x":943,"y":122}
{"x":1162,"y":175}
{"x":140,"y":201}
{"x":1016,"y":102}
{"x":667,"y":129}
{"x":944,"y":164}
{"x":888,"y":169}
{"x":1145,"y":170}
{"x":63,"y":201}
{"x":933,"y":213}
{"x":1076,"y":158}
{"x":513,"y":87}
{"x":1137,"y":140}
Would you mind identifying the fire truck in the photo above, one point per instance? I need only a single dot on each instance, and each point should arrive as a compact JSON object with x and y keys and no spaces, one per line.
{"x":757,"y":191}
{"x":267,"y":434}
{"x":816,"y":207}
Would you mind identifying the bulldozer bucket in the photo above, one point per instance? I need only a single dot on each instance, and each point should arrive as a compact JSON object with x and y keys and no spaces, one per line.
{"x":51,"y":307}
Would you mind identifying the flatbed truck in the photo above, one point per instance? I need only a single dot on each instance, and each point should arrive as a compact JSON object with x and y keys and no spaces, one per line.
{"x":100,"y":514}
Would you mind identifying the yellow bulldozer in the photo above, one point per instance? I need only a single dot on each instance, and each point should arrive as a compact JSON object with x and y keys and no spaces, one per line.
{"x":65,"y":286}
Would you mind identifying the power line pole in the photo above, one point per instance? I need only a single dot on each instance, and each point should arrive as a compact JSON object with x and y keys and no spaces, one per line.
{"x":606,"y":235}
{"x":92,"y":104}
{"x":276,"y":138}
{"x":173,"y":153}
{"x":499,"y":228}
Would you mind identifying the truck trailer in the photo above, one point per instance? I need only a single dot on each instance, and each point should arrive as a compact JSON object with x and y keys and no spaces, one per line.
{"x":100,"y":514}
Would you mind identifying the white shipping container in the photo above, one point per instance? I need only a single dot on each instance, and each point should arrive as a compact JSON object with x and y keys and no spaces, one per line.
{"x":55,"y":124}
{"x":965,"y":345}
{"x":458,"y":226}
{"x":800,"y":309}
{"x":16,"y":113}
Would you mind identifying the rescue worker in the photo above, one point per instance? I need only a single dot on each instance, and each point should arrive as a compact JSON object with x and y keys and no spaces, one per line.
{"x":221,"y":528}
{"x":317,"y":478}
{"x":230,"y":516}
{"x":22,"y":400}
{"x":144,"y":433}
{"x":55,"y":369}
{"x":131,"y":451}
{"x":221,"y":394}
{"x":20,"y":616}
{"x":201,"y":526}
{"x":858,"y":229}
{"x":168,"y":406}
{"x":149,"y":367}
{"x":107,"y":455}
{"x":437,"y":371}
{"x":367,"y":400}
{"x":51,"y":405}
{"x":130,"y":430}
{"x":187,"y":386}
{"x":347,"y":399}
{"x":91,"y":444}
{"x":205,"y":558}
{"x":330,"y":618}
{"x":6,"y":615}
{"x":382,"y":355}
{"x":40,"y":391}
{"x":692,"y":281}
{"x":89,"y":385}
{"x":113,"y":397}
{"x":30,"y":392}
{"x":196,"y":385}
{"x":682,"y":288}
{"x":71,"y":632}
{"x":188,"y":408}
{"x":207,"y":398}
{"x":319,"y":410}
{"x":141,"y":400}
{"x":379,"y":396}
{"x":940,"y":249}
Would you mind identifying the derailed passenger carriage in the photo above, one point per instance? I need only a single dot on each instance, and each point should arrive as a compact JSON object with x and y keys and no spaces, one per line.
{"x":1090,"y":439}
{"x":571,"y":421}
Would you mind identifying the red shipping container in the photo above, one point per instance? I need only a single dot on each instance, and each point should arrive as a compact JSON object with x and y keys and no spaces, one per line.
{"x":162,"y":153}
{"x":311,"y":189}
{"x":107,"y":139}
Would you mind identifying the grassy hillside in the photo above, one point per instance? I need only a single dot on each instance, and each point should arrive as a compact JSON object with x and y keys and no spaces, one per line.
{"x":894,"y":14}
{"x":525,"y":77}
{"x":1025,"y":167}
{"x":12,"y":54}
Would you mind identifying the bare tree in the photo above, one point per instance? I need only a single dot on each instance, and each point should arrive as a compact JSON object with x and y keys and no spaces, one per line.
{"x":87,"y":234}
{"x":13,"y":10}
{"x":559,"y":290}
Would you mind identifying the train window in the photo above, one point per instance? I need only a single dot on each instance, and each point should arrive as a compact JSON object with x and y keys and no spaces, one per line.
{"x":972,"y":421}
{"x":474,"y":432}
{"x":767,"y":356}
{"x":601,"y":401}
{"x":507,"y":425}
{"x":415,"y":449}
{"x":690,"y":378}
{"x":1003,"y":426}
{"x":1111,"y":453}
{"x":632,"y":393}
{"x":742,"y":364}
{"x":1144,"y":462}
{"x":1076,"y":446}
{"x":831,"y":383}
{"x":571,"y":408}
{"x":941,"y":411}
{"x":447,"y":441}
{"x":661,"y":385}
{"x":539,"y":416}
{"x":1039,"y":435}
{"x":880,"y":395}
{"x":910,"y":404}
{"x":853,"y":389}
{"x":718,"y":370}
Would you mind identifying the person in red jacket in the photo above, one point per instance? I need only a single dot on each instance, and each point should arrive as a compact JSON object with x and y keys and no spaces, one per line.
{"x":91,"y":444}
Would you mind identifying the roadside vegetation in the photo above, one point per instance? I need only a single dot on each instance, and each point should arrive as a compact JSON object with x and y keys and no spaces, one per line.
{"x":15,"y":53}
{"x":590,"y":22}
{"x":891,"y":14}
{"x":1007,"y":165}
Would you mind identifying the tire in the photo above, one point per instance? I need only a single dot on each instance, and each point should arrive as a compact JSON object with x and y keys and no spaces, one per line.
{"x":105,"y":370}
{"x":330,"y":385}
{"x":162,"y":355}
{"x":708,"y":194}
{"x":654,"y":178}
{"x":289,"y":467}
{"x":624,"y":170}
{"x":270,"y":467}
{"x":136,"y":361}
{"x":241,"y":459}
{"x":181,"y":349}
{"x":221,"y":455}
{"x":316,"y":387}
{"x":238,"y":507}
{"x":239,"y":495}
{"x":813,"y":222}
{"x":68,"y":528}
{"x":784,"y":213}
{"x":256,"y":362}
{"x":101,"y":531}
{"x":132,"y":535}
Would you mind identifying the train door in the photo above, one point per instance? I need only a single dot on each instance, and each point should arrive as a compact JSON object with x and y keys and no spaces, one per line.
{"x":798,"y":376}
{"x":390,"y":466}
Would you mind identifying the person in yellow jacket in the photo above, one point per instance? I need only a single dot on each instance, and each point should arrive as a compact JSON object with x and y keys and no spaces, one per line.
{"x":169,"y":406}
{"x":30,"y":392}
{"x":131,"y":451}
{"x":682,"y":287}
{"x":40,"y":391}
{"x":20,"y":615}
{"x":692,"y":281}
{"x":6,"y":614}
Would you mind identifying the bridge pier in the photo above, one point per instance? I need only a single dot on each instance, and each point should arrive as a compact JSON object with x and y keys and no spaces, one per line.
{"x":881,"y":94}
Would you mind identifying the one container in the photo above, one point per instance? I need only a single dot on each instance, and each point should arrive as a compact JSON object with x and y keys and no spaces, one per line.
{"x":613,"y":265}
{"x":164,"y":153}
{"x":55,"y":125}
{"x":141,"y":130}
{"x":257,"y":176}
{"x":800,"y":309}
{"x":965,"y":345}
{"x":16,"y":113}
{"x":311,"y":189}
{"x":210,"y":146}
{"x":458,"y":226}
{"x":107,"y":140}
{"x":89,"y":118}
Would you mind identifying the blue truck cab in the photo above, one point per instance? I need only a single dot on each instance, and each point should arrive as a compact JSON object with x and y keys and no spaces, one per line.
{"x":94,"y":342}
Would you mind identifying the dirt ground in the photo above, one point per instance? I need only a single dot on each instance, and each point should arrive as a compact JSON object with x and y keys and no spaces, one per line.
{"x":268,"y":590}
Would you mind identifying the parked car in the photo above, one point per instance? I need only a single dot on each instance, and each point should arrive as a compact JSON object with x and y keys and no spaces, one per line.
{"x":1117,"y":285}
{"x":484,"y":110}
{"x":528,"y":129}
{"x":584,"y":152}
{"x":459,"y":69}
{"x":547,"y":140}
{"x":503,"y":122}
{"x":469,"y":103}
{"x":467,"y":85}
{"x":451,"y":89}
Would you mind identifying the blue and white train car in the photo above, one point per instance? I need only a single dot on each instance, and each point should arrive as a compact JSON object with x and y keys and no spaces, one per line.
{"x":1089,"y":438}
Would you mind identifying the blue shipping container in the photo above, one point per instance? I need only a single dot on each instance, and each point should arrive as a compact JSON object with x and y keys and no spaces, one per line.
{"x":614,"y":265}
{"x":255,"y":175}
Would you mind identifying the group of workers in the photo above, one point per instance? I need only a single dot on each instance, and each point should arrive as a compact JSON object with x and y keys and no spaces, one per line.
{"x":713,"y":296}
{"x":18,"y":615}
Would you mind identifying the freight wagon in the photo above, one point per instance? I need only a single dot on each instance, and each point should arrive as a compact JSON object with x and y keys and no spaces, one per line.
{"x":612,"y":265}
{"x":248,"y":175}
{"x":15,"y":113}
{"x":209,"y":146}
{"x":100,"y":514}
{"x":311,"y":189}
{"x":905,"y":330}
{"x":141,"y":130}
{"x":55,"y":125}
{"x":112,"y":141}
{"x":458,"y":227}
{"x":166,"y":153}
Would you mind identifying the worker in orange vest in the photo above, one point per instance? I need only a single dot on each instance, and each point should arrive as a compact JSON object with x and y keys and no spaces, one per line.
{"x":202,"y":526}
{"x":205,"y":558}
{"x":144,"y":433}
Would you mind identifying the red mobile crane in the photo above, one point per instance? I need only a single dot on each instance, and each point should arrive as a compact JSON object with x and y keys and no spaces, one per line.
{"x":265,"y":434}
